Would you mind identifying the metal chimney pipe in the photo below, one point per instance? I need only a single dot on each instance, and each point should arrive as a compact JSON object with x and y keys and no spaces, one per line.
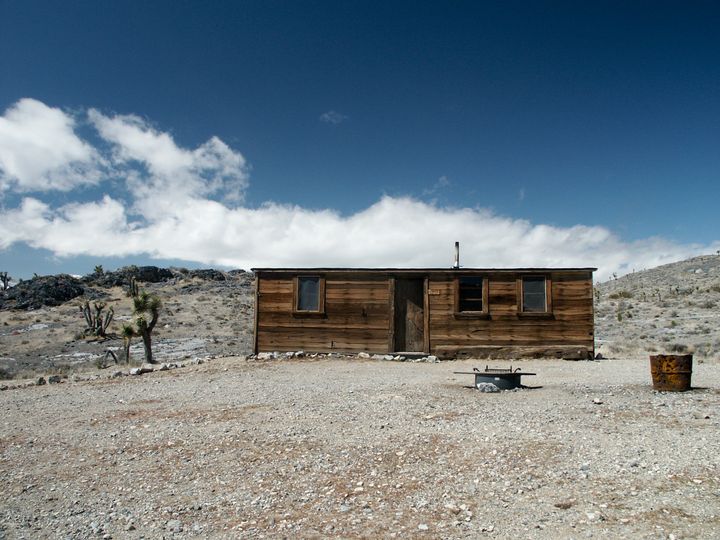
{"x":457,"y":255}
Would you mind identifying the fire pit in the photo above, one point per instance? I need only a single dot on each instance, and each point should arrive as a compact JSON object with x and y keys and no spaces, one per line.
{"x":504,"y":379}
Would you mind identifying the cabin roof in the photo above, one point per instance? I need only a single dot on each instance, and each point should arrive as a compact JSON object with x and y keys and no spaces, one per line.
{"x":326,"y":270}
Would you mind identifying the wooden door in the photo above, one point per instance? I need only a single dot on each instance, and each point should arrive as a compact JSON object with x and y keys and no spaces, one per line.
{"x":409,"y":315}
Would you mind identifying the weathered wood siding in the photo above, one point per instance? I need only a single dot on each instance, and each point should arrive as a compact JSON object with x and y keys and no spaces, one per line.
{"x":356,"y":316}
{"x":360,"y":307}
{"x":569,"y":324}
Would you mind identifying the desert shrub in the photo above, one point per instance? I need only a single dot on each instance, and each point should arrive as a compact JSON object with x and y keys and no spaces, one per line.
{"x":621,"y":294}
{"x":63,"y":370}
{"x":678,"y":348}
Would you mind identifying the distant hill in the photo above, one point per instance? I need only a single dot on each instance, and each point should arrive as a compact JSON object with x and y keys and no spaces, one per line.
{"x":671,"y":308}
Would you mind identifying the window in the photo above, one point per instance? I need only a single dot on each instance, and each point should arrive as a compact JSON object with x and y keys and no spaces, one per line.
{"x":309,"y":294}
{"x":471,"y":296}
{"x":535,"y":294}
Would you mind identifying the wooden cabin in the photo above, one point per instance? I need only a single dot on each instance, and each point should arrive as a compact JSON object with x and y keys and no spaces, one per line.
{"x":465,"y":312}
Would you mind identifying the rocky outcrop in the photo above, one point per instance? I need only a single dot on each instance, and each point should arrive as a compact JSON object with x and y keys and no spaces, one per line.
{"x":42,"y":291}
{"x":122,"y":276}
{"x":208,"y":274}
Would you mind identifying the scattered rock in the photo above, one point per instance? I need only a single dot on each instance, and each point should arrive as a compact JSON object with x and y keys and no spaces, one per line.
{"x":174,"y":525}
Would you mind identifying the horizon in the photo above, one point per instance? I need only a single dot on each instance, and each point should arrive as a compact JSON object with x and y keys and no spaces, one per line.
{"x":365,"y":134}
{"x":172,"y":266}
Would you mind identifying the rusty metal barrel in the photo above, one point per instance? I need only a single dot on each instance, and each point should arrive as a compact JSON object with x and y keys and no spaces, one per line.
{"x":671,"y":372}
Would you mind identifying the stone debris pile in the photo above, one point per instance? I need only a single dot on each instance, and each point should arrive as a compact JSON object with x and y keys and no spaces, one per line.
{"x":276,"y":355}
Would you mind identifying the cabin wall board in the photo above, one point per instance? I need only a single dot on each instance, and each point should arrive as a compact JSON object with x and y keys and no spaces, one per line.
{"x":356,"y":316}
{"x":570,"y":323}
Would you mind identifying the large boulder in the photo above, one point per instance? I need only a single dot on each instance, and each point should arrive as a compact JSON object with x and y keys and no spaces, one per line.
{"x":42,"y":291}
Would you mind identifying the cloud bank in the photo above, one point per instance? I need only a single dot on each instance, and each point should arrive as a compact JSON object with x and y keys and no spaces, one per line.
{"x":181,"y":203}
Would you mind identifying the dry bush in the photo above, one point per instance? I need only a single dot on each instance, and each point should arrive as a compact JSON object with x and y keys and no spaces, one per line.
{"x":678,"y":348}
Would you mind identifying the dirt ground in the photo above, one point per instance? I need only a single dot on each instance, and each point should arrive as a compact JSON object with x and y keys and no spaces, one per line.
{"x":362,"y":449}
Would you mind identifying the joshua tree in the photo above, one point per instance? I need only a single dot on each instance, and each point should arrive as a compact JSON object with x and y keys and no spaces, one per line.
{"x":5,"y":280}
{"x":127,"y":334}
{"x":133,"y":289}
{"x":97,"y":324}
{"x":146,"y":305}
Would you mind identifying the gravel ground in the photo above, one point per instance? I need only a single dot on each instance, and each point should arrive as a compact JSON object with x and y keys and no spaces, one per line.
{"x":362,"y":449}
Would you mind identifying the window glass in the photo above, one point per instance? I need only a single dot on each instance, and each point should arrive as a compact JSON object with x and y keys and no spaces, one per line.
{"x":308,"y":294}
{"x":534,"y":294}
{"x":470,"y":293}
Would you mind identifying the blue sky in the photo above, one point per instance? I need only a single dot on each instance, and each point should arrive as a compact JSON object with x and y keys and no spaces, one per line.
{"x":242,"y":134}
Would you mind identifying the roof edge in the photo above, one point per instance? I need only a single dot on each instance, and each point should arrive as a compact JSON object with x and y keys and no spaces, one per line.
{"x":420,"y":270}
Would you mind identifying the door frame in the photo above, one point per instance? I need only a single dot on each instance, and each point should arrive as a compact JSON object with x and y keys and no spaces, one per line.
{"x":391,"y":313}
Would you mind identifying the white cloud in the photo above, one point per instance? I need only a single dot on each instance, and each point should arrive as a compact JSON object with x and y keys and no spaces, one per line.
{"x":439,"y":185}
{"x":174,"y":174}
{"x":73,"y":229}
{"x":171,"y":188}
{"x":332,"y":117}
{"x":39,"y":150}
{"x":394,"y":232}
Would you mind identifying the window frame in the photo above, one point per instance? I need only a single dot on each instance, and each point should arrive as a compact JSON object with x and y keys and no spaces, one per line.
{"x":320,"y":311}
{"x":521,"y":296}
{"x":482,"y":314}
